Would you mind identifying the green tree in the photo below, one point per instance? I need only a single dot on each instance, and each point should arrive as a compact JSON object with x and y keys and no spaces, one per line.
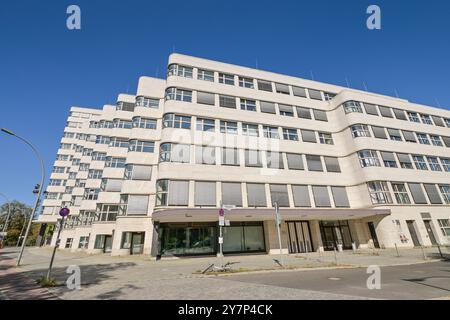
{"x":20,"y":212}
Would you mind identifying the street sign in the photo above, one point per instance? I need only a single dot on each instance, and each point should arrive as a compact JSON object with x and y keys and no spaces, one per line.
{"x":221,"y":221}
{"x":64,"y":212}
{"x":221,"y":212}
{"x":220,"y":240}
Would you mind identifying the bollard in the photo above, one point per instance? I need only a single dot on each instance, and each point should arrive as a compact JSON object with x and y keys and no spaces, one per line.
{"x":396,"y":249}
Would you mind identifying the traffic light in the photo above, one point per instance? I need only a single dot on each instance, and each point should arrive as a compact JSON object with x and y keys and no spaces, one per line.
{"x":36,"y":188}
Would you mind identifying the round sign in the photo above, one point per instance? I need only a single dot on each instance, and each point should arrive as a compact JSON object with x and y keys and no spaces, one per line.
{"x":64,"y":212}
{"x":221,"y":212}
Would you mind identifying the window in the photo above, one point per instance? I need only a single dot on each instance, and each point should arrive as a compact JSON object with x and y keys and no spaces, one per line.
{"x":379,"y":132}
{"x":426,"y":119}
{"x":111,"y":185}
{"x":325,"y":138}
{"x":385,"y":112}
{"x":409,"y":136}
{"x":137,"y":172}
{"x":65,"y":146}
{"x":171,"y":120}
{"x":256,"y":195}
{"x":301,"y":197}
{"x":91,"y":194}
{"x":76,"y":162}
{"x":141,"y":146}
{"x":206,"y":125}
{"x":178,"y":94}
{"x":433,"y":193}
{"x":290,"y":134}
{"x":352,"y":106}
{"x":125,"y":106}
{"x":205,"y":98}
{"x":59,"y":169}
{"x":102,"y":140}
{"x":447,"y":122}
{"x":205,"y":155}
{"x":360,"y":130}
{"x":250,"y":130}
{"x":98,"y":156}
{"x":320,"y":115}
{"x":299,"y":92}
{"x":368,"y":158}
{"x":314,"y":163}
{"x":179,"y":70}
{"x":228,"y":127}
{"x":389,"y":159}
{"x":444,"y":224}
{"x":119,"y":142}
{"x":147,"y":102}
{"x":249,"y":105}
{"x":226,"y":78}
{"x":122,"y":124}
{"x":69,"y":242}
{"x":169,"y":152}
{"x":413,"y":117}
{"x":340,"y":197}
{"x":205,"y":194}
{"x":95,"y":174}
{"x":400,"y":114}
{"x":434,"y":164}
{"x":115,"y":162}
{"x":423,"y":138}
{"x":315,"y":94}
{"x":329,"y":96}
{"x":271,"y":132}
{"x":286,"y":110}
{"x":265,"y":85}
{"x":246,"y":83}
{"x":103,"y":124}
{"x":394,"y":134}
{"x":436,"y":140}
{"x":135,"y":204}
{"x":419,"y":161}
{"x":230,"y":157}
{"x":446,"y":164}
{"x":232,"y":194}
{"x":308,"y":136}
{"x":279,"y":195}
{"x":144,"y":123}
{"x":57,"y":182}
{"x":295,"y":161}
{"x":253,"y":158}
{"x":282,"y":88}
{"x":332,"y":164}
{"x":417,"y":193}
{"x":267,"y":107}
{"x":371,"y":109}
{"x":304,"y":113}
{"x":274,"y":160}
{"x":446,"y":141}
{"x":400,"y":193}
{"x":321,"y":196}
{"x":405,"y":161}
{"x":205,"y":75}
{"x":84,"y":242}
{"x":227,"y":102}
{"x":445,"y":191}
{"x":379,"y":192}
{"x":87,"y":152}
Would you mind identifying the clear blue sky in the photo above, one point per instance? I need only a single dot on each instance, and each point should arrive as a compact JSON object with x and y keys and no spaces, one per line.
{"x":45,"y":68}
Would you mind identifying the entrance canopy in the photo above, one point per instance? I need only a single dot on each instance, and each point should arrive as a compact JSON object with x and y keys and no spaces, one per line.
{"x":263,"y":214}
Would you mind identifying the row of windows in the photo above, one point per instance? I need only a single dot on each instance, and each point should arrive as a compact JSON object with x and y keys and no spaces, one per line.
{"x":387,"y":112}
{"x":136,"y":122}
{"x":370,"y":158}
{"x":141,"y":101}
{"x":231,"y":102}
{"x":246,"y":82}
{"x":435,"y":194}
{"x":171,"y":120}
{"x":170,"y":152}
{"x":176,"y":193}
{"x":362,"y":130}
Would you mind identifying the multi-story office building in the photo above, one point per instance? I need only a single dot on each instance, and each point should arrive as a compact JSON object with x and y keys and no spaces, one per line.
{"x":149,"y":174}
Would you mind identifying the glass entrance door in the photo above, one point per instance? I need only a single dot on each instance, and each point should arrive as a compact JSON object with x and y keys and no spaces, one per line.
{"x":336,"y":233}
{"x":137,"y":242}
{"x":108,"y":244}
{"x":299,"y":237}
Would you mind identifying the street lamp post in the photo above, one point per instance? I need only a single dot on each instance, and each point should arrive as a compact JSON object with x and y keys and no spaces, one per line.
{"x":278,"y":223}
{"x":5,"y":226}
{"x":39,"y":192}
{"x":64,"y":212}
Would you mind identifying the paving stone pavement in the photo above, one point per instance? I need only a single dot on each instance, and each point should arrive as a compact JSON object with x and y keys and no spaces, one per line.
{"x":140,"y":277}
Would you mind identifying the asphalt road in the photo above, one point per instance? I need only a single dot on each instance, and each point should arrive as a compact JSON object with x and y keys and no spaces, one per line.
{"x":420,"y":281}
